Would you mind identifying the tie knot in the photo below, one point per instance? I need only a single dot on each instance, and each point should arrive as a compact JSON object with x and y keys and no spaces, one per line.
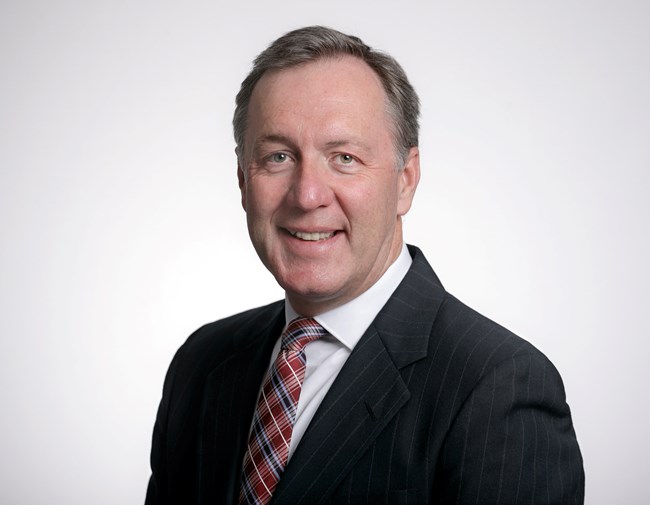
{"x":300,"y":332}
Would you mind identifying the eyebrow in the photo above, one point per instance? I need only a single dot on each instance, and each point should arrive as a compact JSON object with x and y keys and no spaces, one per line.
{"x":332,"y":144}
{"x":273,"y":138}
{"x":339,"y":143}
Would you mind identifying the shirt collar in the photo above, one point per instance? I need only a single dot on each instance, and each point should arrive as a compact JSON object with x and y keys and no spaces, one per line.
{"x":349,"y":322}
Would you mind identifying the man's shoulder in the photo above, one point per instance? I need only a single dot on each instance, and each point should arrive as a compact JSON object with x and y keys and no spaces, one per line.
{"x":476,"y":340}
{"x":457,"y":329}
{"x":458,"y":337}
{"x":237,"y":329}
{"x":219,"y":339}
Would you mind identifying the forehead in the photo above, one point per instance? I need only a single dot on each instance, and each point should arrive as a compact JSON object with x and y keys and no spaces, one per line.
{"x":344,"y":86}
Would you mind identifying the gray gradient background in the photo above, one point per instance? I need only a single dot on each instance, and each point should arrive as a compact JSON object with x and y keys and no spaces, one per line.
{"x":122,"y":231}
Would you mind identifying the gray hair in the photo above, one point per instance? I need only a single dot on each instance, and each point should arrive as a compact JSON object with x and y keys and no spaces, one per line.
{"x":316,"y":42}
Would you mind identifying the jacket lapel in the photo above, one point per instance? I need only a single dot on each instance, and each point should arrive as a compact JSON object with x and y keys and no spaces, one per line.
{"x":229,"y":400}
{"x":368,"y":392}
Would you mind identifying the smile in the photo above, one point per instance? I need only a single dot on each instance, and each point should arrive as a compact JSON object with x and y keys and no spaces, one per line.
{"x":312,"y":236}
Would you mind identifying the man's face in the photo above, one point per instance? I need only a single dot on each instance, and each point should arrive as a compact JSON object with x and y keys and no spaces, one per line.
{"x":319,"y":181}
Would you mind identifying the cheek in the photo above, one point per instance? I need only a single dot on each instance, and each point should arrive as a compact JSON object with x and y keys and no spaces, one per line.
{"x":263,"y":202}
{"x":377,"y":202}
{"x":383,"y":213}
{"x":370,"y":217}
{"x":259,"y":198}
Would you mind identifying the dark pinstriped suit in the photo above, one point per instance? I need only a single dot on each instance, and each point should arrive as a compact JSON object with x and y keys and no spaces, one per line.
{"x":436,"y":404}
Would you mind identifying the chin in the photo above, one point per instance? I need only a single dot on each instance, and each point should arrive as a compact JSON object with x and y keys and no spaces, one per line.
{"x":309,"y":293}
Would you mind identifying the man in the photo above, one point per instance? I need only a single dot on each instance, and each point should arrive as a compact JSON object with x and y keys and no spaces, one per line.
{"x":397,"y":393}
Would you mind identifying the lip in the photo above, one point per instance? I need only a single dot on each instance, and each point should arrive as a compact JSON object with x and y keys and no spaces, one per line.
{"x":318,"y":244}
{"x":312,"y":235}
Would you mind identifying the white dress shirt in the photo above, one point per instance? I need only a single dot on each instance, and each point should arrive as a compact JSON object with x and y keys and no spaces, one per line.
{"x":346,"y":325}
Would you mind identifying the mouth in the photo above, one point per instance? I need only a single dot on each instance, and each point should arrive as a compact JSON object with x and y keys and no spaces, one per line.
{"x":313,"y":236}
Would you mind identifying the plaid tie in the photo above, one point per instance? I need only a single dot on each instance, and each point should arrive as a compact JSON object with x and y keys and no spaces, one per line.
{"x":268,"y":445}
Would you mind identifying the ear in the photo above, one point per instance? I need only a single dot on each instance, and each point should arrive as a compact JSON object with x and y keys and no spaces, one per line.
{"x":409,"y":177}
{"x":241,"y":177}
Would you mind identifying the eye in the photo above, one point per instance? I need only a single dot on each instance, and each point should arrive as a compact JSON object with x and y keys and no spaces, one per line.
{"x":279,"y":157}
{"x":346,"y":159}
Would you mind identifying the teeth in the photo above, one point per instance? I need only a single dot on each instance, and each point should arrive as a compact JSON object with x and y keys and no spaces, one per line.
{"x":311,"y":236}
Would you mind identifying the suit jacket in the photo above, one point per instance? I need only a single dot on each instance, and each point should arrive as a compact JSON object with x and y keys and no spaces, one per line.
{"x":436,"y":404}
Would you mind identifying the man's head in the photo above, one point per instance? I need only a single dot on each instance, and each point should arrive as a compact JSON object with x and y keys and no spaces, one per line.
{"x":317,"y":167}
{"x":314,"y":43}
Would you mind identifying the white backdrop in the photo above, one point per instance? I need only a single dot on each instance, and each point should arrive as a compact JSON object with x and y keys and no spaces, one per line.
{"x":121,"y":228}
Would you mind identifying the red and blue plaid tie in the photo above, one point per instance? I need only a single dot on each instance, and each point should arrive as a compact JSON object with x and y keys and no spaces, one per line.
{"x":268,"y":445}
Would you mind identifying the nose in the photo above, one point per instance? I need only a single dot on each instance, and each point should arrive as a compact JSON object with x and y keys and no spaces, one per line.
{"x":311,"y":185}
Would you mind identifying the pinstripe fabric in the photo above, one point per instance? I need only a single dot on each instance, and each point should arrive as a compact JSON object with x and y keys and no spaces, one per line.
{"x":436,"y":404}
{"x":268,"y":446}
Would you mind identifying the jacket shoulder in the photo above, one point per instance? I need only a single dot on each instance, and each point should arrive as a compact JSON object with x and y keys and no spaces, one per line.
{"x":476,"y":345}
{"x":233,"y":331}
{"x":454,"y":316}
{"x":216,"y":341}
